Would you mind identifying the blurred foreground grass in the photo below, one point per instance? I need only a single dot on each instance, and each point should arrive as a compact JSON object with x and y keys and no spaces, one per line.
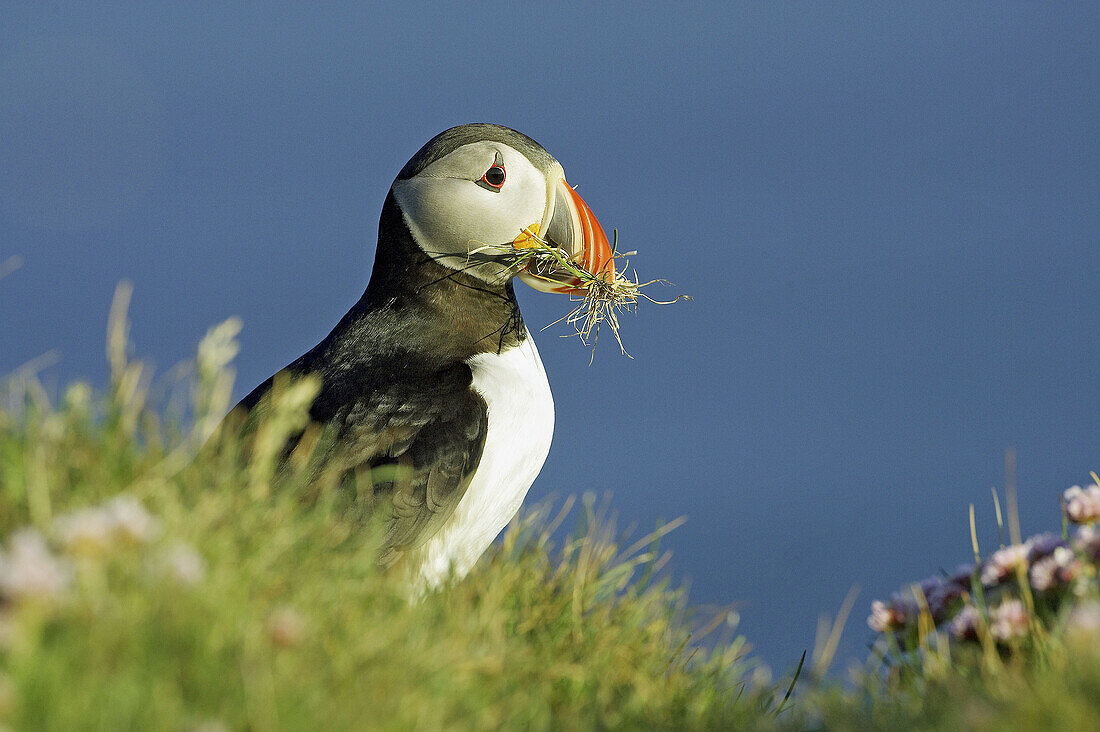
{"x":143,"y":587}
{"x":146,"y":583}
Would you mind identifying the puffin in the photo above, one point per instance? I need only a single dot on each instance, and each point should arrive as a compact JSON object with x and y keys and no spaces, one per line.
{"x":433,"y":398}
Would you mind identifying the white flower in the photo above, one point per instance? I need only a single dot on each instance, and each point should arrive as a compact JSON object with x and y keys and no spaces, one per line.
{"x":1082,"y":505}
{"x":881,"y":618}
{"x":1008,"y":620}
{"x":1004,"y":563}
{"x":29,"y":570}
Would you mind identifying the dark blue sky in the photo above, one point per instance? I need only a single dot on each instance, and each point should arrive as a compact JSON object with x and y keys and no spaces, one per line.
{"x":888,"y":217}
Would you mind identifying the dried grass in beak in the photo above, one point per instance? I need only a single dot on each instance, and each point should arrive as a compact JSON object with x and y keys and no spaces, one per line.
{"x":600,"y":297}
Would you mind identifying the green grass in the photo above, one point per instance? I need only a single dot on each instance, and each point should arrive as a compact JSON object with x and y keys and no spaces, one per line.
{"x":218,"y":594}
{"x":288,"y":623}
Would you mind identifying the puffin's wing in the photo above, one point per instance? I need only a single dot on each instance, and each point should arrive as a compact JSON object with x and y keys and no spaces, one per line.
{"x":416,"y":444}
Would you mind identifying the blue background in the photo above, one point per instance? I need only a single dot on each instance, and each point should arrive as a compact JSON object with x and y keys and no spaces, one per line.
{"x":887,"y":216}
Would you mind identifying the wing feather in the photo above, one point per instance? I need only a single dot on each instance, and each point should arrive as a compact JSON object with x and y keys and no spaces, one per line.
{"x":431,"y":428}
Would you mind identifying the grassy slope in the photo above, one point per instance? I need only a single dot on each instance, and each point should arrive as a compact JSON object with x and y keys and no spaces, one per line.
{"x":286,"y":622}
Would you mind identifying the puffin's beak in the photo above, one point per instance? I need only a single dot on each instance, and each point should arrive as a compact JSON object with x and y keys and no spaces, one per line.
{"x":573,"y":229}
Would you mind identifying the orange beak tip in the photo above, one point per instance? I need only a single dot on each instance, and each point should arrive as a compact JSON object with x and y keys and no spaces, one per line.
{"x":595,"y":249}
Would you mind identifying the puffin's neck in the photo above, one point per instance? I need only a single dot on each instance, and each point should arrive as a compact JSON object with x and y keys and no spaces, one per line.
{"x":451,"y":313}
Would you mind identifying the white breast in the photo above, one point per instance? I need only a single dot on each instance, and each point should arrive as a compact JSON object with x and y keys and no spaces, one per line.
{"x":521,"y":424}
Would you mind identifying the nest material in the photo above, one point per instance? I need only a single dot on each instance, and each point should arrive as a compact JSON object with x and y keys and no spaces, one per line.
{"x":603,"y":295}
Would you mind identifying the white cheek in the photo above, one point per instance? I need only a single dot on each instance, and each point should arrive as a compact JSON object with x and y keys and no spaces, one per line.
{"x":431,"y":207}
{"x":451,"y":216}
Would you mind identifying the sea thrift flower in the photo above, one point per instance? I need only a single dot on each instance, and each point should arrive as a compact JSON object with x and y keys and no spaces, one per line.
{"x":1055,"y":570}
{"x":1044,"y":575}
{"x":1082,"y":505}
{"x":1008,"y":620}
{"x":930,"y":586}
{"x":1003,"y":563}
{"x":962,"y":576}
{"x":894,"y":615}
{"x":1044,"y":545}
{"x":964,"y":626}
{"x":942,"y":593}
{"x":1052,"y":561}
{"x":937,"y":593}
{"x":1087,"y":541}
{"x":883,"y":617}
{"x":29,"y":570}
{"x":1065,"y":557}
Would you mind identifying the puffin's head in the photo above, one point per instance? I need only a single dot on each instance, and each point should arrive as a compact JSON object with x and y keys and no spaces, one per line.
{"x":476,"y":195}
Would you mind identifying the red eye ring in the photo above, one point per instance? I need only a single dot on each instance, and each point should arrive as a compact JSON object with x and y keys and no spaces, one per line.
{"x":495,"y":176}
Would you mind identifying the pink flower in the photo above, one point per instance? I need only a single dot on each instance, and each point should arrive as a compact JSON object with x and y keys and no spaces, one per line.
{"x":1004,"y":562}
{"x":1043,"y":545}
{"x":964,"y":625}
{"x":893,"y":615}
{"x":942,"y":594}
{"x":1087,"y":541}
{"x":1082,"y":505}
{"x":1008,"y":620}
{"x":1056,"y":569}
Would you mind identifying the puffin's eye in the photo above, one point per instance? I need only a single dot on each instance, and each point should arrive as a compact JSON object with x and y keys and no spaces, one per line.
{"x":494,"y":177}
